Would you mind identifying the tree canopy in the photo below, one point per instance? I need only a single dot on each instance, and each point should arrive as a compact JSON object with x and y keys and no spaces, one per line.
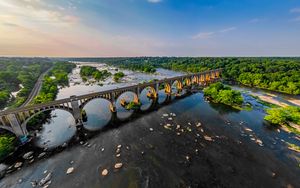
{"x":272,"y":73}
{"x":219,"y":93}
{"x":92,"y":72}
{"x":19,"y":71}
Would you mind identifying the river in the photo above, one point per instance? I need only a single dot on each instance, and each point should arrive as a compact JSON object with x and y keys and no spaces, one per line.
{"x":187,"y":142}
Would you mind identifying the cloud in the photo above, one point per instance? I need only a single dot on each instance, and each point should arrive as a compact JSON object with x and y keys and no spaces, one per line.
{"x":295,"y":10}
{"x":9,"y":24}
{"x":203,"y":35}
{"x":257,"y":20}
{"x":297,"y":19}
{"x":227,"y":29}
{"x":154,"y":1}
{"x":36,"y":12}
{"x":206,"y":35}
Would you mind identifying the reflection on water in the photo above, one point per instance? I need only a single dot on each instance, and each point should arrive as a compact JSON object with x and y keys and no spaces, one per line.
{"x":162,"y":96}
{"x":146,"y":101}
{"x":57,"y":131}
{"x":123,"y":113}
{"x":98,"y":114}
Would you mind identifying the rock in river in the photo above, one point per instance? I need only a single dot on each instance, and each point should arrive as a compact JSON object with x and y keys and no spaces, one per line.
{"x":18,"y":164}
{"x":28,"y":155}
{"x":45,"y":179}
{"x":118,"y":165}
{"x":70,"y":170}
{"x":41,"y":155}
{"x":208,"y":138}
{"x":104,"y":172}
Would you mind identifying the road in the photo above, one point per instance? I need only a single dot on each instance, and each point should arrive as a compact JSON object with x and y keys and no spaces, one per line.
{"x":37,"y":87}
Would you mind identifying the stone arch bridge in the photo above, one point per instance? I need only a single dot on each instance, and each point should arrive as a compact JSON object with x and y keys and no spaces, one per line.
{"x":15,"y":120}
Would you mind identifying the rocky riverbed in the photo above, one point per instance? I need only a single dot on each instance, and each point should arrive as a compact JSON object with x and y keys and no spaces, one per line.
{"x":187,"y":143}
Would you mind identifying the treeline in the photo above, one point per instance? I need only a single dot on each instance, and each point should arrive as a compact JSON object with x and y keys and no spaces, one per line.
{"x":142,"y":64}
{"x":58,"y":76}
{"x":272,"y":73}
{"x":16,"y":72}
{"x":87,"y":72}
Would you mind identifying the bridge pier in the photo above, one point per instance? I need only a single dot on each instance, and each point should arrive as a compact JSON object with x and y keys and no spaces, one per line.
{"x":76,"y":110}
{"x":16,"y":127}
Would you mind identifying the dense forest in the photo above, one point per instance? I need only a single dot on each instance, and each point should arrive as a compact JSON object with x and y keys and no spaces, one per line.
{"x":272,"y":73}
{"x":58,"y":76}
{"x":19,"y":74}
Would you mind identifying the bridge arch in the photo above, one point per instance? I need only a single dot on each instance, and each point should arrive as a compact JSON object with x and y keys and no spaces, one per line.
{"x":148,"y":96}
{"x":85,"y":101}
{"x":88,"y":100}
{"x":98,"y":112}
{"x":178,"y":84}
{"x":126,"y":103}
{"x":151,"y":90}
{"x":166,"y":87}
{"x":123,"y":97}
{"x":24,"y":123}
{"x":195,"y":79}
{"x":186,"y":82}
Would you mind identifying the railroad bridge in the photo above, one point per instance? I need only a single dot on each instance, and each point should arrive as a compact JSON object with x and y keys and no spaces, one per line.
{"x":15,"y":120}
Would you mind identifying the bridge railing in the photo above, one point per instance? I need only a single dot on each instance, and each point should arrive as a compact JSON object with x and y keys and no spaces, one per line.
{"x":35,"y":106}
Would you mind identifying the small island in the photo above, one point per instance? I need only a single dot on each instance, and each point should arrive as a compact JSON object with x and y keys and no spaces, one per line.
{"x":87,"y":72}
{"x":118,"y":76}
{"x":219,"y":93}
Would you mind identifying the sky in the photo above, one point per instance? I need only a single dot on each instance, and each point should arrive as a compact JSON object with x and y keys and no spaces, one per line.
{"x":110,"y":28}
